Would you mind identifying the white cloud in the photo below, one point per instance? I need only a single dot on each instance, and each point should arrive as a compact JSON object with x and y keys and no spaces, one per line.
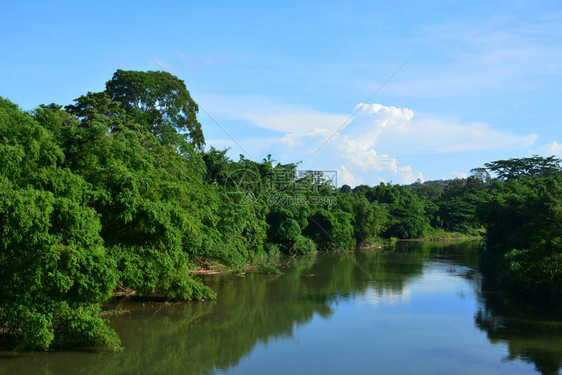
{"x":373,"y":146}
{"x":298,"y":121}
{"x":445,"y":136}
{"x":552,"y":148}
{"x":391,"y":114}
{"x":396,"y":129}
{"x":346,"y":177}
{"x":267,"y":114}
{"x":380,"y":135}
{"x":408,"y":176}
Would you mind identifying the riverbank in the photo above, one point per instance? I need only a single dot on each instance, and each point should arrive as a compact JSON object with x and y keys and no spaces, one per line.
{"x":257,"y":321}
{"x":217,"y":268}
{"x":439,"y":239}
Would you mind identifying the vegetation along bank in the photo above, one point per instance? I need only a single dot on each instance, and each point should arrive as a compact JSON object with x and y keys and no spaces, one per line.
{"x":117,"y":192}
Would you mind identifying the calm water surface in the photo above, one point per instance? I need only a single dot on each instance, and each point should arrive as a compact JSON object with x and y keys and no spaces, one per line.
{"x":414,"y":308}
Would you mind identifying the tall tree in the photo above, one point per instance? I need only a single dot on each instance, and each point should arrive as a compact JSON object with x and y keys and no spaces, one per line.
{"x":525,"y":167}
{"x":160,"y":101}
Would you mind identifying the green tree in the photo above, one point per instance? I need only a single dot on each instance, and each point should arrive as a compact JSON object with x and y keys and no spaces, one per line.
{"x":331,"y":230}
{"x":53,"y":265}
{"x":159,"y":101}
{"x":524,"y":235}
{"x":524,"y":167}
{"x":458,"y":205}
{"x":369,"y":218}
{"x":406,"y":211}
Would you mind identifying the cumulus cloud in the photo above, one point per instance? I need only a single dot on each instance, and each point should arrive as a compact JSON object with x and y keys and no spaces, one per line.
{"x":408,"y":176}
{"x":391,"y":128}
{"x":390,"y":114}
{"x":345,"y":177}
{"x":358,"y":145}
{"x":373,"y":145}
{"x":379,"y":135}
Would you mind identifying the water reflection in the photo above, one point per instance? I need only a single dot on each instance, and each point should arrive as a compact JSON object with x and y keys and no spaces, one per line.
{"x":257,"y":311}
{"x":532,"y":331}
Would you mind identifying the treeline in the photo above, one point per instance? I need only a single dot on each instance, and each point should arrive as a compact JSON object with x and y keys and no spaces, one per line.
{"x":523,"y":218}
{"x":117,"y":193}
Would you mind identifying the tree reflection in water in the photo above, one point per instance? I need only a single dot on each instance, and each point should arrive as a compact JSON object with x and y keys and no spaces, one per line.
{"x":532,"y":331}
{"x":256,"y":309}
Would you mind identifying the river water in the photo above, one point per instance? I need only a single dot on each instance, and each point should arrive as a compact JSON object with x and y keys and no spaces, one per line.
{"x":411,"y":308}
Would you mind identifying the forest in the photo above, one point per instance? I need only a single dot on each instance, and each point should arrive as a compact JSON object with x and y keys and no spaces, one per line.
{"x":118,"y":193}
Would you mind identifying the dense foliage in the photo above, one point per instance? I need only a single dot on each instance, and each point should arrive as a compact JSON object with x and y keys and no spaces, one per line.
{"x":53,"y":265}
{"x":524,"y":237}
{"x":116,"y":193}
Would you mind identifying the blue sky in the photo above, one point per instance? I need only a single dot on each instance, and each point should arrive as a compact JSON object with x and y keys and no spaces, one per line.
{"x":484,"y":82}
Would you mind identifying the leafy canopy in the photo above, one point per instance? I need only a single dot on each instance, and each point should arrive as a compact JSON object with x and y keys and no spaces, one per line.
{"x":525,"y":167}
{"x":159,"y":101}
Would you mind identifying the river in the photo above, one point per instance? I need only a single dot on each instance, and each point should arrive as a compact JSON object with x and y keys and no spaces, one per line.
{"x":410,"y":308}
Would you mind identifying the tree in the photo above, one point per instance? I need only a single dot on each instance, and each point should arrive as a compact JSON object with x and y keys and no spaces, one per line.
{"x":160,"y":101}
{"x":331,"y":230}
{"x":406,"y":211}
{"x":534,"y":166}
{"x":458,"y":204}
{"x":479,"y":175}
{"x":523,"y":219}
{"x":369,"y":219}
{"x":345,"y":189}
{"x":53,"y":265}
